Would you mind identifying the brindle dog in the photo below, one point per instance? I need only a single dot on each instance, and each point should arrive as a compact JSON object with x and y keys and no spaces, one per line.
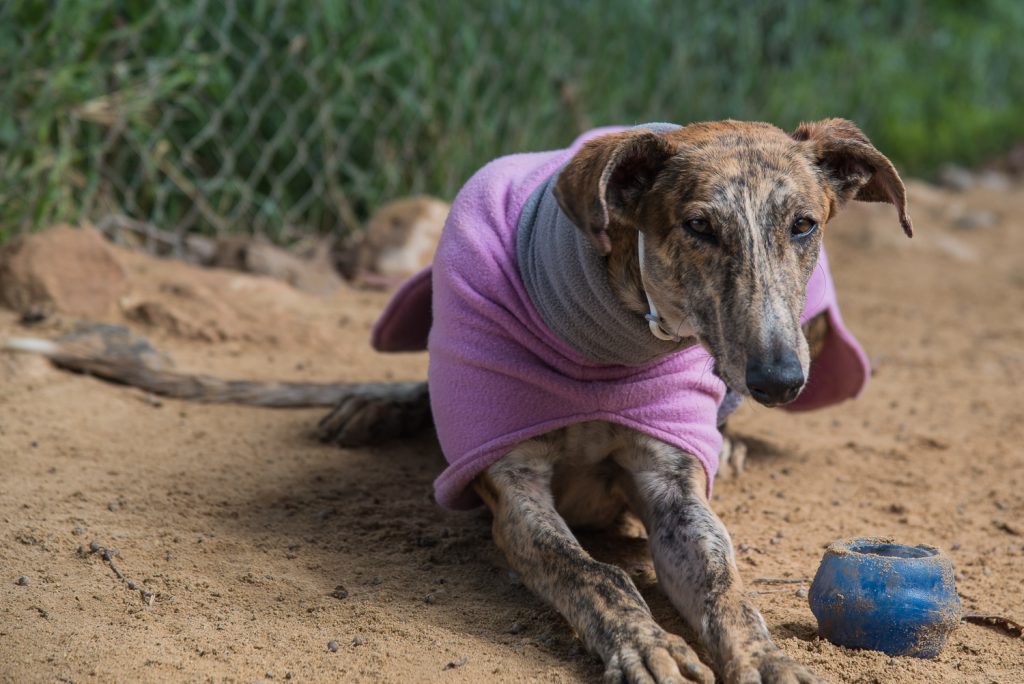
{"x":742,"y":205}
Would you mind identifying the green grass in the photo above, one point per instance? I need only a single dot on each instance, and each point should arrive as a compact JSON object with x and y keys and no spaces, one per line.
{"x":284,"y":117}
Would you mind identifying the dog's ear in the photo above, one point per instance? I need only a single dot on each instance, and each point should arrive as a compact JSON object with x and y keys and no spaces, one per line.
{"x":853,"y":168}
{"x":608,"y":176}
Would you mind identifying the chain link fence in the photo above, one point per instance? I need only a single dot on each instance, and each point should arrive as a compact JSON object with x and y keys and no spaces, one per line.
{"x":217,"y":116}
{"x":284,"y":117}
{"x":221,"y":116}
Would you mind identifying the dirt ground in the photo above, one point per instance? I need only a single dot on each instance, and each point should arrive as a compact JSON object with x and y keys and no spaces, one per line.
{"x":257,"y":546}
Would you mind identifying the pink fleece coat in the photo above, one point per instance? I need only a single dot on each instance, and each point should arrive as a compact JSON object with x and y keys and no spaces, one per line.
{"x":499,"y":376}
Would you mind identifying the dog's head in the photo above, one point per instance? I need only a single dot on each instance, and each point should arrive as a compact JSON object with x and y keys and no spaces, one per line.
{"x":732,"y":215}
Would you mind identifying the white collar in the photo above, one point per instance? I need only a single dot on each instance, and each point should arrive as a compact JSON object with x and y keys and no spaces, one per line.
{"x":653,"y":319}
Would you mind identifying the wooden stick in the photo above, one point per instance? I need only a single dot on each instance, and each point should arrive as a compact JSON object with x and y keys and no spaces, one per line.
{"x":1002,"y":624}
{"x":782,"y":580}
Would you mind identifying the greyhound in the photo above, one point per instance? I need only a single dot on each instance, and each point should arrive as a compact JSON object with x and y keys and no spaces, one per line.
{"x":667,"y":263}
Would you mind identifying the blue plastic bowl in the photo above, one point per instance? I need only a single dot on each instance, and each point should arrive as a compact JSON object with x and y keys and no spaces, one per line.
{"x":875,"y":594}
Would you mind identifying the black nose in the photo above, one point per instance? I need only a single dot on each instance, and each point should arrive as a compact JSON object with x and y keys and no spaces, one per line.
{"x":775,"y":381}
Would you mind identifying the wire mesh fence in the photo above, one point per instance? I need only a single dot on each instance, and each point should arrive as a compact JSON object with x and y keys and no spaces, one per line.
{"x":273,"y":117}
{"x":283,"y":117}
{"x":217,"y":116}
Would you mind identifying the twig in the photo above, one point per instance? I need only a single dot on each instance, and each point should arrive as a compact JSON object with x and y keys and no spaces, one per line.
{"x":1003,"y":624}
{"x":782,"y":580}
{"x":108,"y":556}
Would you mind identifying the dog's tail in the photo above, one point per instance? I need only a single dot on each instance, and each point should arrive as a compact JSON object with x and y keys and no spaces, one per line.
{"x":113,"y":353}
{"x":32,"y":345}
{"x":363,"y":413}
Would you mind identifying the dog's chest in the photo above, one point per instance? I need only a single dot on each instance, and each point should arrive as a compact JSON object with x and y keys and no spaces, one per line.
{"x":587,"y":482}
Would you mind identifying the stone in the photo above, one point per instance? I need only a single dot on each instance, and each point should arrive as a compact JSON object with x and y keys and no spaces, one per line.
{"x":73,"y":271}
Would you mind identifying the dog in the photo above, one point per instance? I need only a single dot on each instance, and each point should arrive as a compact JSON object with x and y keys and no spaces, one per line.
{"x":584,"y":372}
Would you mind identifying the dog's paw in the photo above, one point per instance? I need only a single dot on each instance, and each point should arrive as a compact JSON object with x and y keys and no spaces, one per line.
{"x":771,"y":667}
{"x":647,"y":654}
{"x":732,"y":458}
{"x":373,"y":413}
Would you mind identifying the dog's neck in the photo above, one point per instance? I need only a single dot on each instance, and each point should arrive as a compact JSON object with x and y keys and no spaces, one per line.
{"x":596,"y":305}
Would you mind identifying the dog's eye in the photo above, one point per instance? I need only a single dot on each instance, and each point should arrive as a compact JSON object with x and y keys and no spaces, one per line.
{"x":700,"y":228}
{"x":803,"y":227}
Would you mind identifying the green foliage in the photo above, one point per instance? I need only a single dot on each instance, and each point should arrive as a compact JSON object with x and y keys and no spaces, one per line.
{"x":285,"y":116}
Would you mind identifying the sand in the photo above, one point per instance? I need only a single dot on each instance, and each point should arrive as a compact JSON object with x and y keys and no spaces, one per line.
{"x":257,"y":546}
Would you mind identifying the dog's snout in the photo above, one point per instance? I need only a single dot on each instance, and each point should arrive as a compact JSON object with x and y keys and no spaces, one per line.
{"x":776,"y":380}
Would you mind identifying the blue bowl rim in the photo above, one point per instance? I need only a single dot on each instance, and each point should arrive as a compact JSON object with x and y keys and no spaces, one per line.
{"x":853,"y":546}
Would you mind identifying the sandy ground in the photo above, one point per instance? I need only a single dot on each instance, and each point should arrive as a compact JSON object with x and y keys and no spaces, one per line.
{"x":260,"y":546}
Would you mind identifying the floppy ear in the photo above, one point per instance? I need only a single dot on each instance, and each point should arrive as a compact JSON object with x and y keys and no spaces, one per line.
{"x":853,"y":168}
{"x":608,"y":176}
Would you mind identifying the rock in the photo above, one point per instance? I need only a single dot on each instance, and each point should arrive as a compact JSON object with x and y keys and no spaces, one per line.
{"x":975,"y":219}
{"x":70,"y":270}
{"x":399,"y":240}
{"x":960,"y":179}
{"x":315,"y":274}
{"x":956,"y":177}
{"x":994,"y":180}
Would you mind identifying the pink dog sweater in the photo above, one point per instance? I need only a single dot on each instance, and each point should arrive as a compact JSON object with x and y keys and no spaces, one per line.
{"x":499,"y":375}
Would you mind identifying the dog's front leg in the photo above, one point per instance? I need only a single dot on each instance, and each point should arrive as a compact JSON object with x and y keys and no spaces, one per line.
{"x":599,"y":600}
{"x":694,"y":561}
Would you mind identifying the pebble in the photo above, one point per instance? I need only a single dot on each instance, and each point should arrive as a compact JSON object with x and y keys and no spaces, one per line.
{"x":358,"y":641}
{"x":801,"y":592}
{"x":332,"y":646}
{"x":22,"y":581}
{"x":976,"y":219}
{"x":340,"y":592}
{"x":456,"y":663}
